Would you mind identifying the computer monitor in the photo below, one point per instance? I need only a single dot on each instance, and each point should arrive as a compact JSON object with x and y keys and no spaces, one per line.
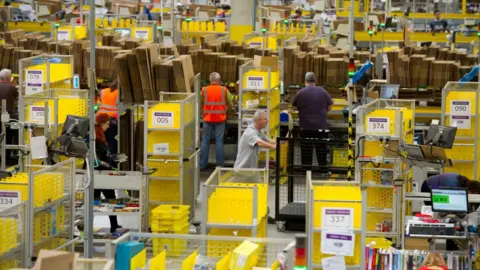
{"x":441,"y":136}
{"x":76,"y":126}
{"x":449,"y":200}
{"x":124,"y":32}
{"x":389,"y":91}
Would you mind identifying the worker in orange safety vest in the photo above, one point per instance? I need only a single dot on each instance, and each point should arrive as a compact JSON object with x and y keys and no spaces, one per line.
{"x":108,"y":101}
{"x":216,"y":100}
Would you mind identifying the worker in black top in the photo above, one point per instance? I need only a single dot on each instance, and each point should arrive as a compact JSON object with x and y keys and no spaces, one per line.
{"x":9,"y":92}
{"x":104,"y":162}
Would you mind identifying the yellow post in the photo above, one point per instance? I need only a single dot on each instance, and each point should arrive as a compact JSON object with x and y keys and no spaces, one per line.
{"x":464,"y":7}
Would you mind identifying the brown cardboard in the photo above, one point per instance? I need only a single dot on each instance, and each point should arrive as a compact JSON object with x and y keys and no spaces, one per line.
{"x":183,"y":71}
{"x":266,"y":61}
{"x":51,"y":259}
{"x":121,"y":65}
{"x":137,"y":90}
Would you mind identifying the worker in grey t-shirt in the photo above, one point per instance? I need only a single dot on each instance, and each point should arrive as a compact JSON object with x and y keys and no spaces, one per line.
{"x":251,"y":141}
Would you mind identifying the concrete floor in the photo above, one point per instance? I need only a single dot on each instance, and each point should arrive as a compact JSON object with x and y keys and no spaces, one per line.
{"x":272,"y":232}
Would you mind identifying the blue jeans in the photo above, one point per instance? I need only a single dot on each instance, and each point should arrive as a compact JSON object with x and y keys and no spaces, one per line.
{"x":217,"y":130}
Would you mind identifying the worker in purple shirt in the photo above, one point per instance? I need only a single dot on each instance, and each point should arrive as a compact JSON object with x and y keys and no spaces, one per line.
{"x":313,"y":104}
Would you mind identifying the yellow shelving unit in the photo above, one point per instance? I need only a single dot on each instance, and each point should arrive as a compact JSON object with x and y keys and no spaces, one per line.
{"x":260,"y":90}
{"x":465,"y":152}
{"x":236,"y":205}
{"x":171,"y":125}
{"x":382,"y":127}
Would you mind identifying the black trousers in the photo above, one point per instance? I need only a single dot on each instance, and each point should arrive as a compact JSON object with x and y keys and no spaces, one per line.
{"x":109,"y":195}
{"x":310,"y":141}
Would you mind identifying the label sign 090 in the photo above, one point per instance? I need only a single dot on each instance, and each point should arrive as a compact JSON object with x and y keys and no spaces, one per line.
{"x":460,"y":107}
{"x":378,"y":125}
{"x":162,"y":119}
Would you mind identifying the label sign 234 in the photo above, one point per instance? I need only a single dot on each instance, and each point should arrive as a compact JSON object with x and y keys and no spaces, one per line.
{"x":162,"y":119}
{"x":378,"y":125}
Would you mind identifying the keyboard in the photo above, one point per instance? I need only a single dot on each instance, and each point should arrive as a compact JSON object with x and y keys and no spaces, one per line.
{"x":445,"y":229}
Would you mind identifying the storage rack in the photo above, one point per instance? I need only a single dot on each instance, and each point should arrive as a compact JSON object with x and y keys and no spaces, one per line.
{"x":61,"y":31}
{"x":383,"y":126}
{"x":260,"y":88}
{"x":196,"y":245}
{"x":57,"y":103}
{"x":198,"y":26}
{"x":48,"y":195}
{"x":334,"y":194}
{"x":170,"y":150}
{"x":146,"y":30}
{"x":12,"y":231}
{"x":460,"y":106}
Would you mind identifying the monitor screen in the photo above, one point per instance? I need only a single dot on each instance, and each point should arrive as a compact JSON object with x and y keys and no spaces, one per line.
{"x":389,"y":91}
{"x":449,"y":200}
{"x":124,"y":32}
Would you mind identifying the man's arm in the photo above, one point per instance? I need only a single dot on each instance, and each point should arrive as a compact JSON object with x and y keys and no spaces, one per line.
{"x":229,"y":100}
{"x":329,"y":102}
{"x":265,"y":144}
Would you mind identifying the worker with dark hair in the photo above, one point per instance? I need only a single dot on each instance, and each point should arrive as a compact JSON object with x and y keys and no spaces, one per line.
{"x":438,"y":24}
{"x":444,"y":180}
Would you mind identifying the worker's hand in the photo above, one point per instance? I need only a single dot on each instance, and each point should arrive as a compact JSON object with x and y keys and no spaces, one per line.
{"x":274,"y":146}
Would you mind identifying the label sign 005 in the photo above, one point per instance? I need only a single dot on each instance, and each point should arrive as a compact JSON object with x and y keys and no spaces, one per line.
{"x":337,"y":218}
{"x":255,"y":82}
{"x":378,"y":125}
{"x":162,"y":119}
{"x":9,"y":198}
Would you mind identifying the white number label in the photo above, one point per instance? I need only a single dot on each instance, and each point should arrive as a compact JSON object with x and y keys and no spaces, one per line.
{"x":338,"y":243}
{"x":161,"y":149}
{"x":37,"y":114}
{"x":143,"y":34}
{"x":162,"y":119}
{"x":378,"y":125}
{"x":460,"y":107}
{"x":9,"y":198}
{"x":256,"y":44}
{"x":460,"y":114}
{"x":337,"y":218}
{"x":63,"y":35}
{"x":34,"y":76}
{"x":255,"y":82}
{"x":33,"y":88}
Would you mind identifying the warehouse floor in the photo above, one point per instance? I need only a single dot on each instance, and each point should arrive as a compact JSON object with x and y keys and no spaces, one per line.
{"x":128,"y":222}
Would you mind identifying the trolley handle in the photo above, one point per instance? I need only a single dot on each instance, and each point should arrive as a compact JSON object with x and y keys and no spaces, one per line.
{"x":142,"y":168}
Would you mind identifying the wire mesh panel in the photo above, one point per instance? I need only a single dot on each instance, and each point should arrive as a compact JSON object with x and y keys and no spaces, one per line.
{"x":183,"y":249}
{"x":236,"y":202}
{"x":12,"y":231}
{"x":51,"y":210}
{"x":317,"y":151}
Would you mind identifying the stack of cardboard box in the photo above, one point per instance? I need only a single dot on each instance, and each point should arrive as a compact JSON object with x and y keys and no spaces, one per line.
{"x":288,"y":67}
{"x":104,"y":65}
{"x":320,"y":68}
{"x":209,"y":64}
{"x":183,"y":72}
{"x":227,"y":68}
{"x":147,"y":58}
{"x":337,"y":71}
{"x":165,"y":77}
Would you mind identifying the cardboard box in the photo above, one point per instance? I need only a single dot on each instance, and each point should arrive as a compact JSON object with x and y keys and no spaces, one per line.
{"x":183,"y":72}
{"x":136,"y":81}
{"x":147,"y":57}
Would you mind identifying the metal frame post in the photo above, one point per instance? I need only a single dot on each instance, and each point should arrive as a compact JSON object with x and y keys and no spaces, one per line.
{"x":89,"y":197}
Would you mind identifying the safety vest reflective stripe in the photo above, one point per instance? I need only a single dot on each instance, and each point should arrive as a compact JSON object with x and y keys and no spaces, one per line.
{"x":222,"y":102}
{"x":215,"y":111}
{"x":107,"y":107}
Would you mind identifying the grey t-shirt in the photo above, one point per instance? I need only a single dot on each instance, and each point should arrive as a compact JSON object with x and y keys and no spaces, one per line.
{"x":247,"y":155}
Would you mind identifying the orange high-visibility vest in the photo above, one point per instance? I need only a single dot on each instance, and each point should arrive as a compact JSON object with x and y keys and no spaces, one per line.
{"x":108,"y":102}
{"x":214,"y":103}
